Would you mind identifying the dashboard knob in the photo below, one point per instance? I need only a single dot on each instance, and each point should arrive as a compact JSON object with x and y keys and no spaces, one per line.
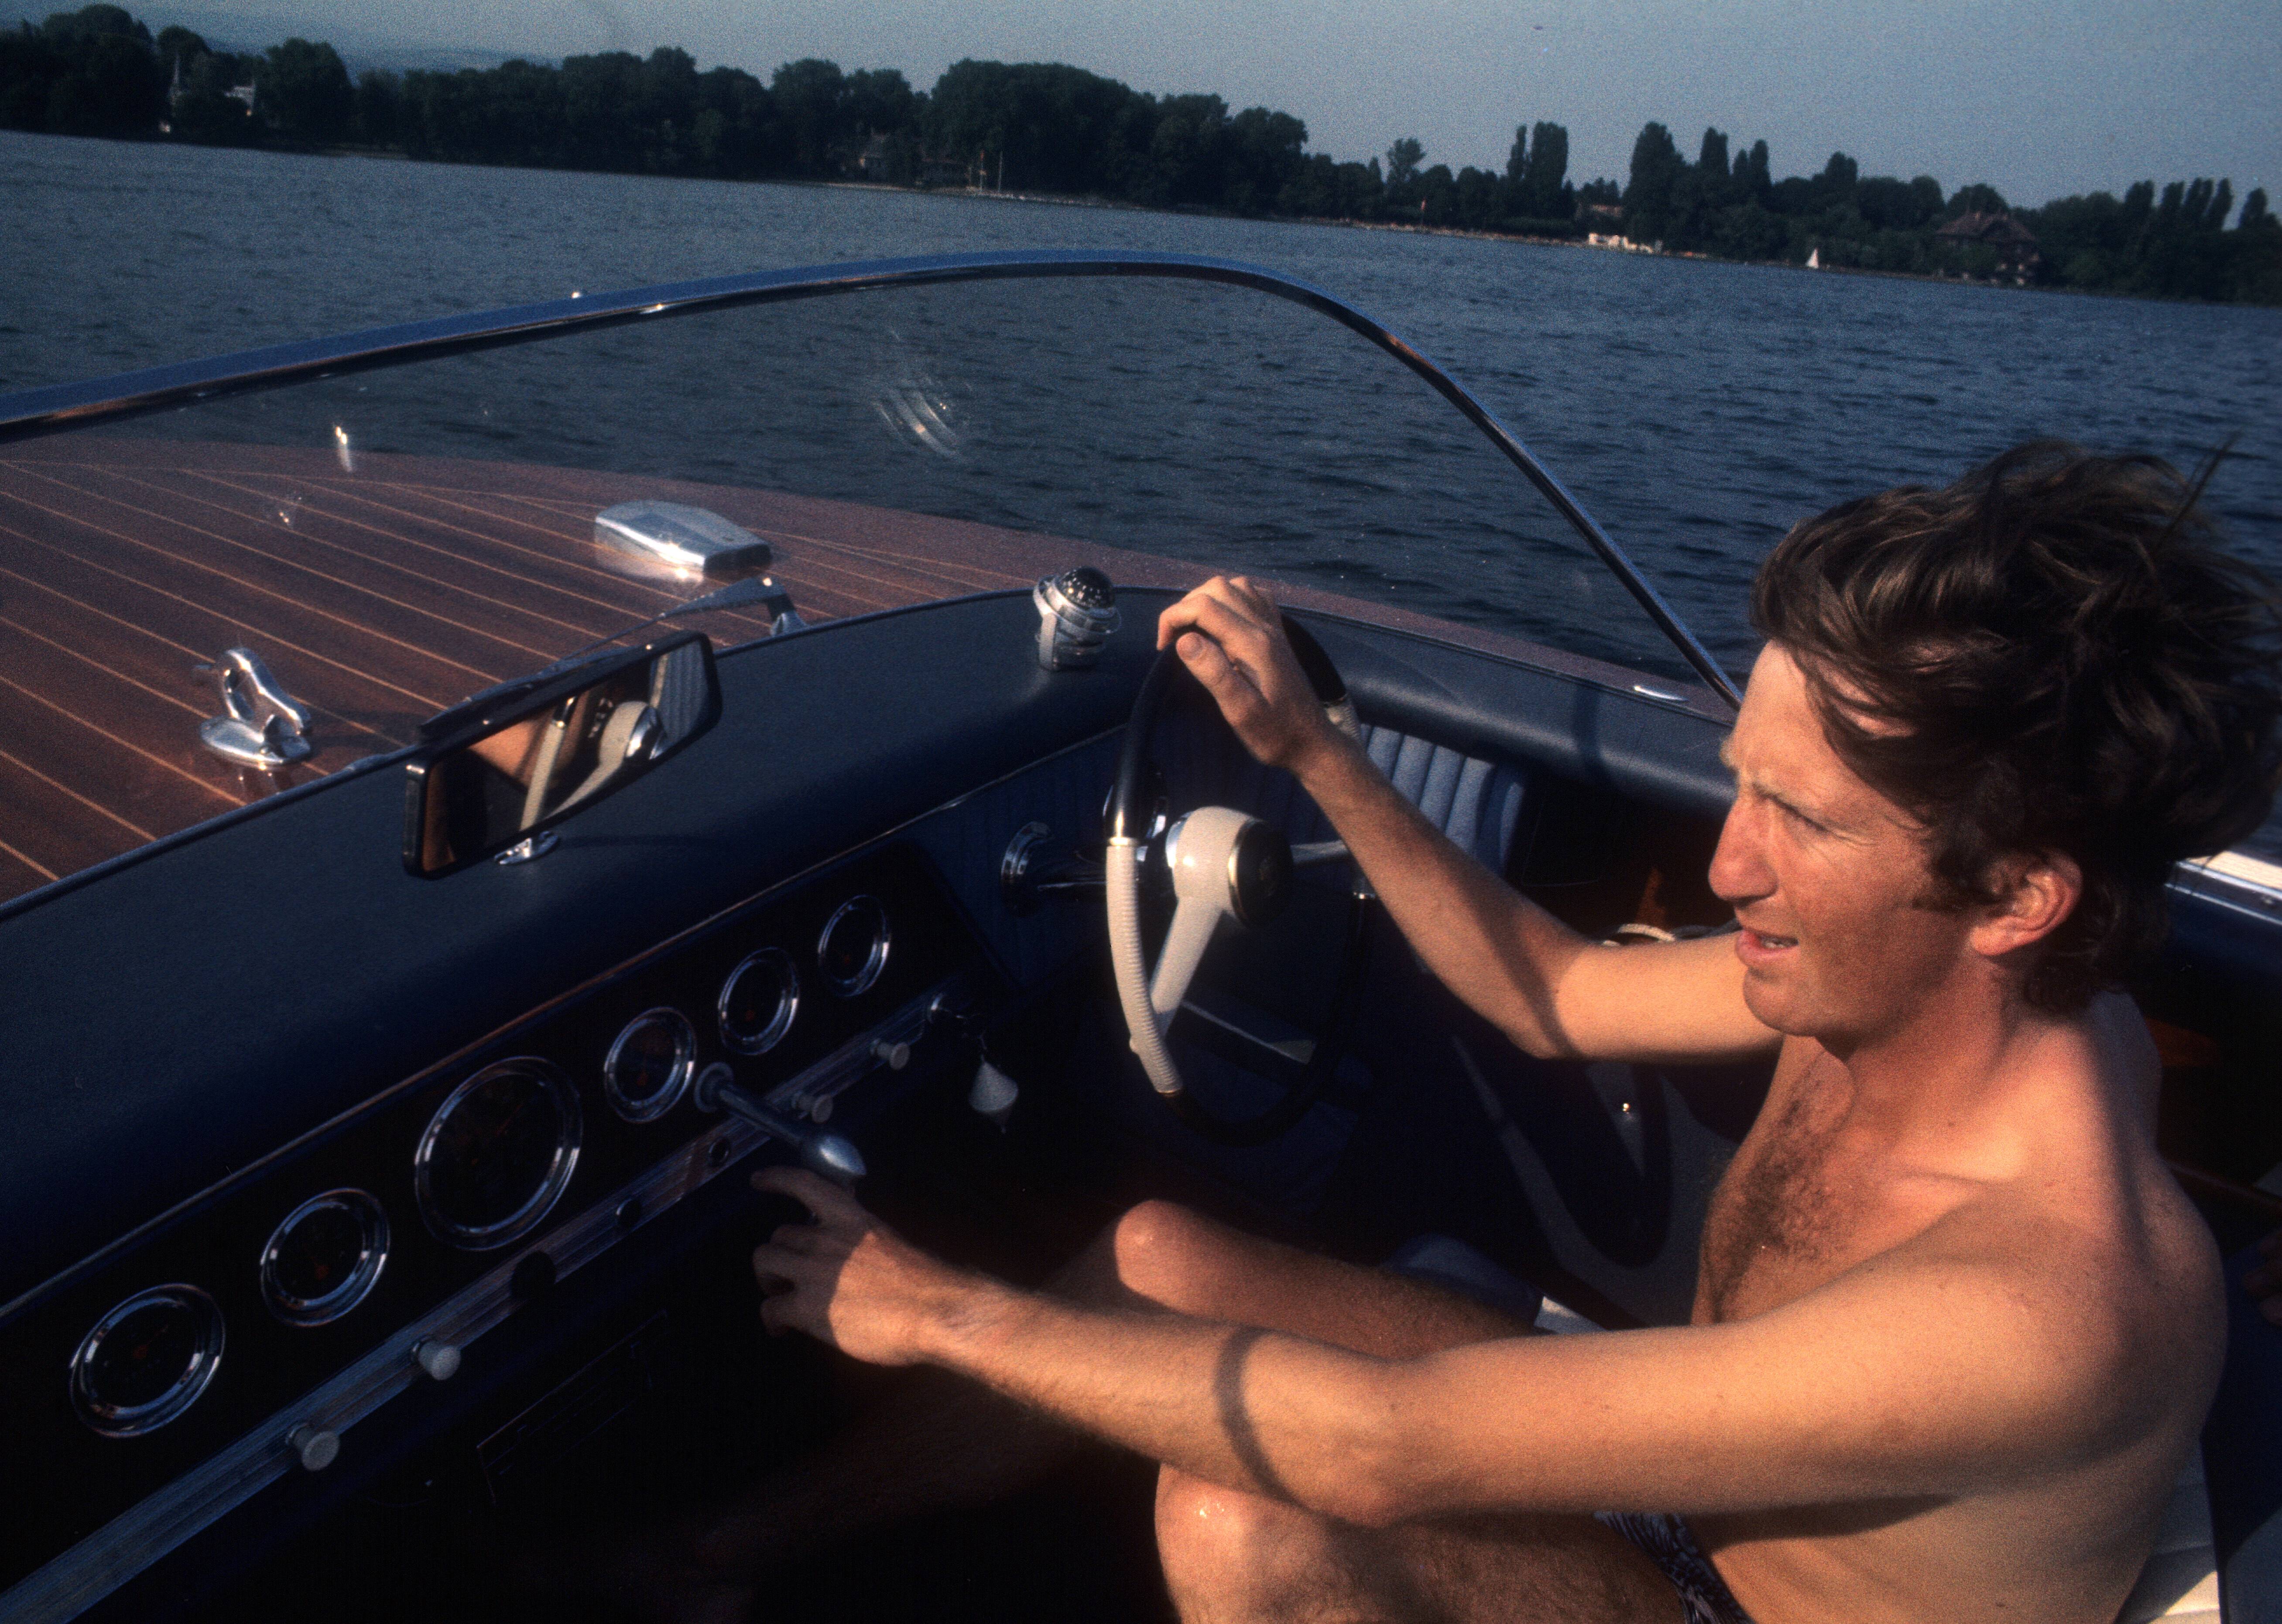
{"x":994,"y":1094}
{"x":438,"y":1361}
{"x":894,"y":1056}
{"x":316,"y":1447}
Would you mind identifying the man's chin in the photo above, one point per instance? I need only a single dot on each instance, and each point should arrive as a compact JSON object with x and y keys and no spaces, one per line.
{"x":1774,"y":1002}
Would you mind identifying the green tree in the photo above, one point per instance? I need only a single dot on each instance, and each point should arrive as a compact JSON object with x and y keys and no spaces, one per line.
{"x":100,"y":73}
{"x":1264,"y":153}
{"x":1546,"y":194}
{"x":301,"y":93}
{"x":812,"y":121}
{"x":1187,"y":151}
{"x":1402,"y":161}
{"x":878,"y":101}
{"x":177,"y":48}
{"x":1656,"y":171}
{"x":379,"y":108}
{"x":1976,"y":199}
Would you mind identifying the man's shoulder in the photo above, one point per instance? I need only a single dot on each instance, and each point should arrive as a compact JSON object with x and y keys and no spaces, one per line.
{"x":2116,"y":1303}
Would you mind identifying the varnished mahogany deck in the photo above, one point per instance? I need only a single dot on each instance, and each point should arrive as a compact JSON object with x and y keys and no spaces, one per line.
{"x":377,"y":596}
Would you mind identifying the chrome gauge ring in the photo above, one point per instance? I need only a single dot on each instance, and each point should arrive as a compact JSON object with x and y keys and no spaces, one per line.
{"x":853,"y":950}
{"x":759,"y":1001}
{"x":147,"y":1360}
{"x":497,"y":1153}
{"x":650,"y":1064}
{"x":325,"y":1258}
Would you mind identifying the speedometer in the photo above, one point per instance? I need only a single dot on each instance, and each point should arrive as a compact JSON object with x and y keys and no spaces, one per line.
{"x":497,"y":1153}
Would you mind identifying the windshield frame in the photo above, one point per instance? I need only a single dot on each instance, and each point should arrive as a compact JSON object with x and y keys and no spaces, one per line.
{"x":61,"y":409}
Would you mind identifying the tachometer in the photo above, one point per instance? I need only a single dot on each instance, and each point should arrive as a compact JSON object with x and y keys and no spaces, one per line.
{"x":147,"y":1360}
{"x":324,"y":1259}
{"x":853,"y":949}
{"x":650,"y":1064}
{"x":497,"y":1153}
{"x":759,"y":1000}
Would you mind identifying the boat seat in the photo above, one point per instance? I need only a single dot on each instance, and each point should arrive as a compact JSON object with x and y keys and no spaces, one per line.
{"x":2180,"y":1582}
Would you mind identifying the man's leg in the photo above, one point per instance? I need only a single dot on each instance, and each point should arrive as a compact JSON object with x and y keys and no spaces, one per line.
{"x":943,"y":1442}
{"x":1229,"y":1556}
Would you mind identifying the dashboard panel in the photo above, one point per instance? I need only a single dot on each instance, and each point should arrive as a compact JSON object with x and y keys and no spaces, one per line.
{"x":353,"y":1273}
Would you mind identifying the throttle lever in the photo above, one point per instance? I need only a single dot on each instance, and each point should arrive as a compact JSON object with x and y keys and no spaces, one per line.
{"x":826,"y":1155}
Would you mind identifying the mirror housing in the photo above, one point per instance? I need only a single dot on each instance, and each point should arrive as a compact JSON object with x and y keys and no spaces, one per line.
{"x":505,"y":767}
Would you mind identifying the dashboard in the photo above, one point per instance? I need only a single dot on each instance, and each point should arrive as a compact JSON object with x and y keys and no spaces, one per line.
{"x":362,"y":1270}
{"x":302,"y":1154}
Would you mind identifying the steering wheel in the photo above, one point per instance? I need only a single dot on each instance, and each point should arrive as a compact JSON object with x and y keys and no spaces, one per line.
{"x":1223,"y":865}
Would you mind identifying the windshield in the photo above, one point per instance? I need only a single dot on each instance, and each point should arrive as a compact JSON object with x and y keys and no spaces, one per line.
{"x":383,"y":544}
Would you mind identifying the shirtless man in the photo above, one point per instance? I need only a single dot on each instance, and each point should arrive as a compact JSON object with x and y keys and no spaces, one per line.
{"x":1955,"y":1327}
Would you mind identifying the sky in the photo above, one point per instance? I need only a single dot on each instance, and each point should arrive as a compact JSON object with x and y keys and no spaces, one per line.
{"x":2039,"y":99}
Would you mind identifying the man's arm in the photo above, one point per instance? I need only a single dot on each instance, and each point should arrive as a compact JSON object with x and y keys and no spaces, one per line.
{"x":1941,"y":1369}
{"x":1551,"y":989}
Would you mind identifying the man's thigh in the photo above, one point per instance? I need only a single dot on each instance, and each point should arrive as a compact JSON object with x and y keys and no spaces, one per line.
{"x":1229,"y":1556}
{"x":1172,"y":1258}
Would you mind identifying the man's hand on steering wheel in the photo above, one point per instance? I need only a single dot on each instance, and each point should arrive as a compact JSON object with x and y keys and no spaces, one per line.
{"x":1230,"y":635}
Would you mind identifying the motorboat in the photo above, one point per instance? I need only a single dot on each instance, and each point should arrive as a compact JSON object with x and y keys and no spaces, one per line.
{"x":476,"y":789}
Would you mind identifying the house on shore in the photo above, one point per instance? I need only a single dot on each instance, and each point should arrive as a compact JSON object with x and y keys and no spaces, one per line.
{"x":2014,"y":243}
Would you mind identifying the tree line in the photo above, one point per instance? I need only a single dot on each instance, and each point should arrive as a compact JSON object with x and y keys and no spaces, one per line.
{"x":2175,"y":245}
{"x":1046,"y":128}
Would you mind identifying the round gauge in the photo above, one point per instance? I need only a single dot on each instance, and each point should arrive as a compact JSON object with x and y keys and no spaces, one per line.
{"x":853,"y":949}
{"x":324,"y":1258}
{"x":759,"y":1000}
{"x":147,"y":1360}
{"x":497,"y":1153}
{"x":650,"y":1065}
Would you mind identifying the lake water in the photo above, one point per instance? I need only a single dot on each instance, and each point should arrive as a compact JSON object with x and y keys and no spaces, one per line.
{"x":1696,"y":408}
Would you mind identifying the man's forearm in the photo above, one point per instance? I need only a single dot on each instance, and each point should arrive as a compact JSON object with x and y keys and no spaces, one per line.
{"x":1499,"y":951}
{"x":1191,"y":1393}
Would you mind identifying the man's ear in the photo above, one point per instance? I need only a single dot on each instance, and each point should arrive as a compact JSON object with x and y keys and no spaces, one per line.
{"x":2034,"y":895}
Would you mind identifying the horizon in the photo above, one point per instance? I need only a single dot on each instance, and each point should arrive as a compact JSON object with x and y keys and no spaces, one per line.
{"x":2038,"y":104}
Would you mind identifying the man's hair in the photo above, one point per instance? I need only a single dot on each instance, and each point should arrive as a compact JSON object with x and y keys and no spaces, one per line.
{"x":2051,"y":656}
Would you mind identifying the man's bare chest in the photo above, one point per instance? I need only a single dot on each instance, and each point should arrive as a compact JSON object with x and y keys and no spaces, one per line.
{"x":1799,"y":1205}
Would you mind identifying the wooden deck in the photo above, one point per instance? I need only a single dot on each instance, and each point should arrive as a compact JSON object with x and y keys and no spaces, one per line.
{"x":377,"y":597}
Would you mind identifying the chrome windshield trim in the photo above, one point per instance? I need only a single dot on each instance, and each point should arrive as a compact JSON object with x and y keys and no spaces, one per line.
{"x":33,"y":413}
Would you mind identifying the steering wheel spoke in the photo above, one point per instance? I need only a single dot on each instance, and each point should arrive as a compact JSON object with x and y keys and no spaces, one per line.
{"x":1193,"y":924}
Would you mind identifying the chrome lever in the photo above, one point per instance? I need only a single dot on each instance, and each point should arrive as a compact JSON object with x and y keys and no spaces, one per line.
{"x":826,"y":1155}
{"x":262,"y":725}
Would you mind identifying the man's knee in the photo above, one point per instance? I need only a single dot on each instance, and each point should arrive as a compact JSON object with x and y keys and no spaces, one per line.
{"x":1173,"y":1257}
{"x":1245,"y":1555}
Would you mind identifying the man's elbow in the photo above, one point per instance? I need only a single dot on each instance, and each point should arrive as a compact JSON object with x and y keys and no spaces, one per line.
{"x":1538,"y":1036}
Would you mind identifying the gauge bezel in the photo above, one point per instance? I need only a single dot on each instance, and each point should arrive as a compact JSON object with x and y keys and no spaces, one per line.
{"x":875,"y":963}
{"x":356,"y":1286}
{"x":490,"y":1237}
{"x":779,"y":1022}
{"x":133,"y":1420}
{"x":684,"y":1068}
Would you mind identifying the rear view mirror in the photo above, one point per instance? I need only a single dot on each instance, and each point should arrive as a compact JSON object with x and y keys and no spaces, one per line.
{"x":506,"y":772}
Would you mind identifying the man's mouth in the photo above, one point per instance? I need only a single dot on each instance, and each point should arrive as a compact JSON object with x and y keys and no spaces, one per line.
{"x":1757,"y":942}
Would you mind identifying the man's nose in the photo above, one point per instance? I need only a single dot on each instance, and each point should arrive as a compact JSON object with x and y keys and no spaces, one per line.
{"x":1739,"y":871}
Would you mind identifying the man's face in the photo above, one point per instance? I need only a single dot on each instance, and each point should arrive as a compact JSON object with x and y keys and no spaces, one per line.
{"x":1825,"y":876}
